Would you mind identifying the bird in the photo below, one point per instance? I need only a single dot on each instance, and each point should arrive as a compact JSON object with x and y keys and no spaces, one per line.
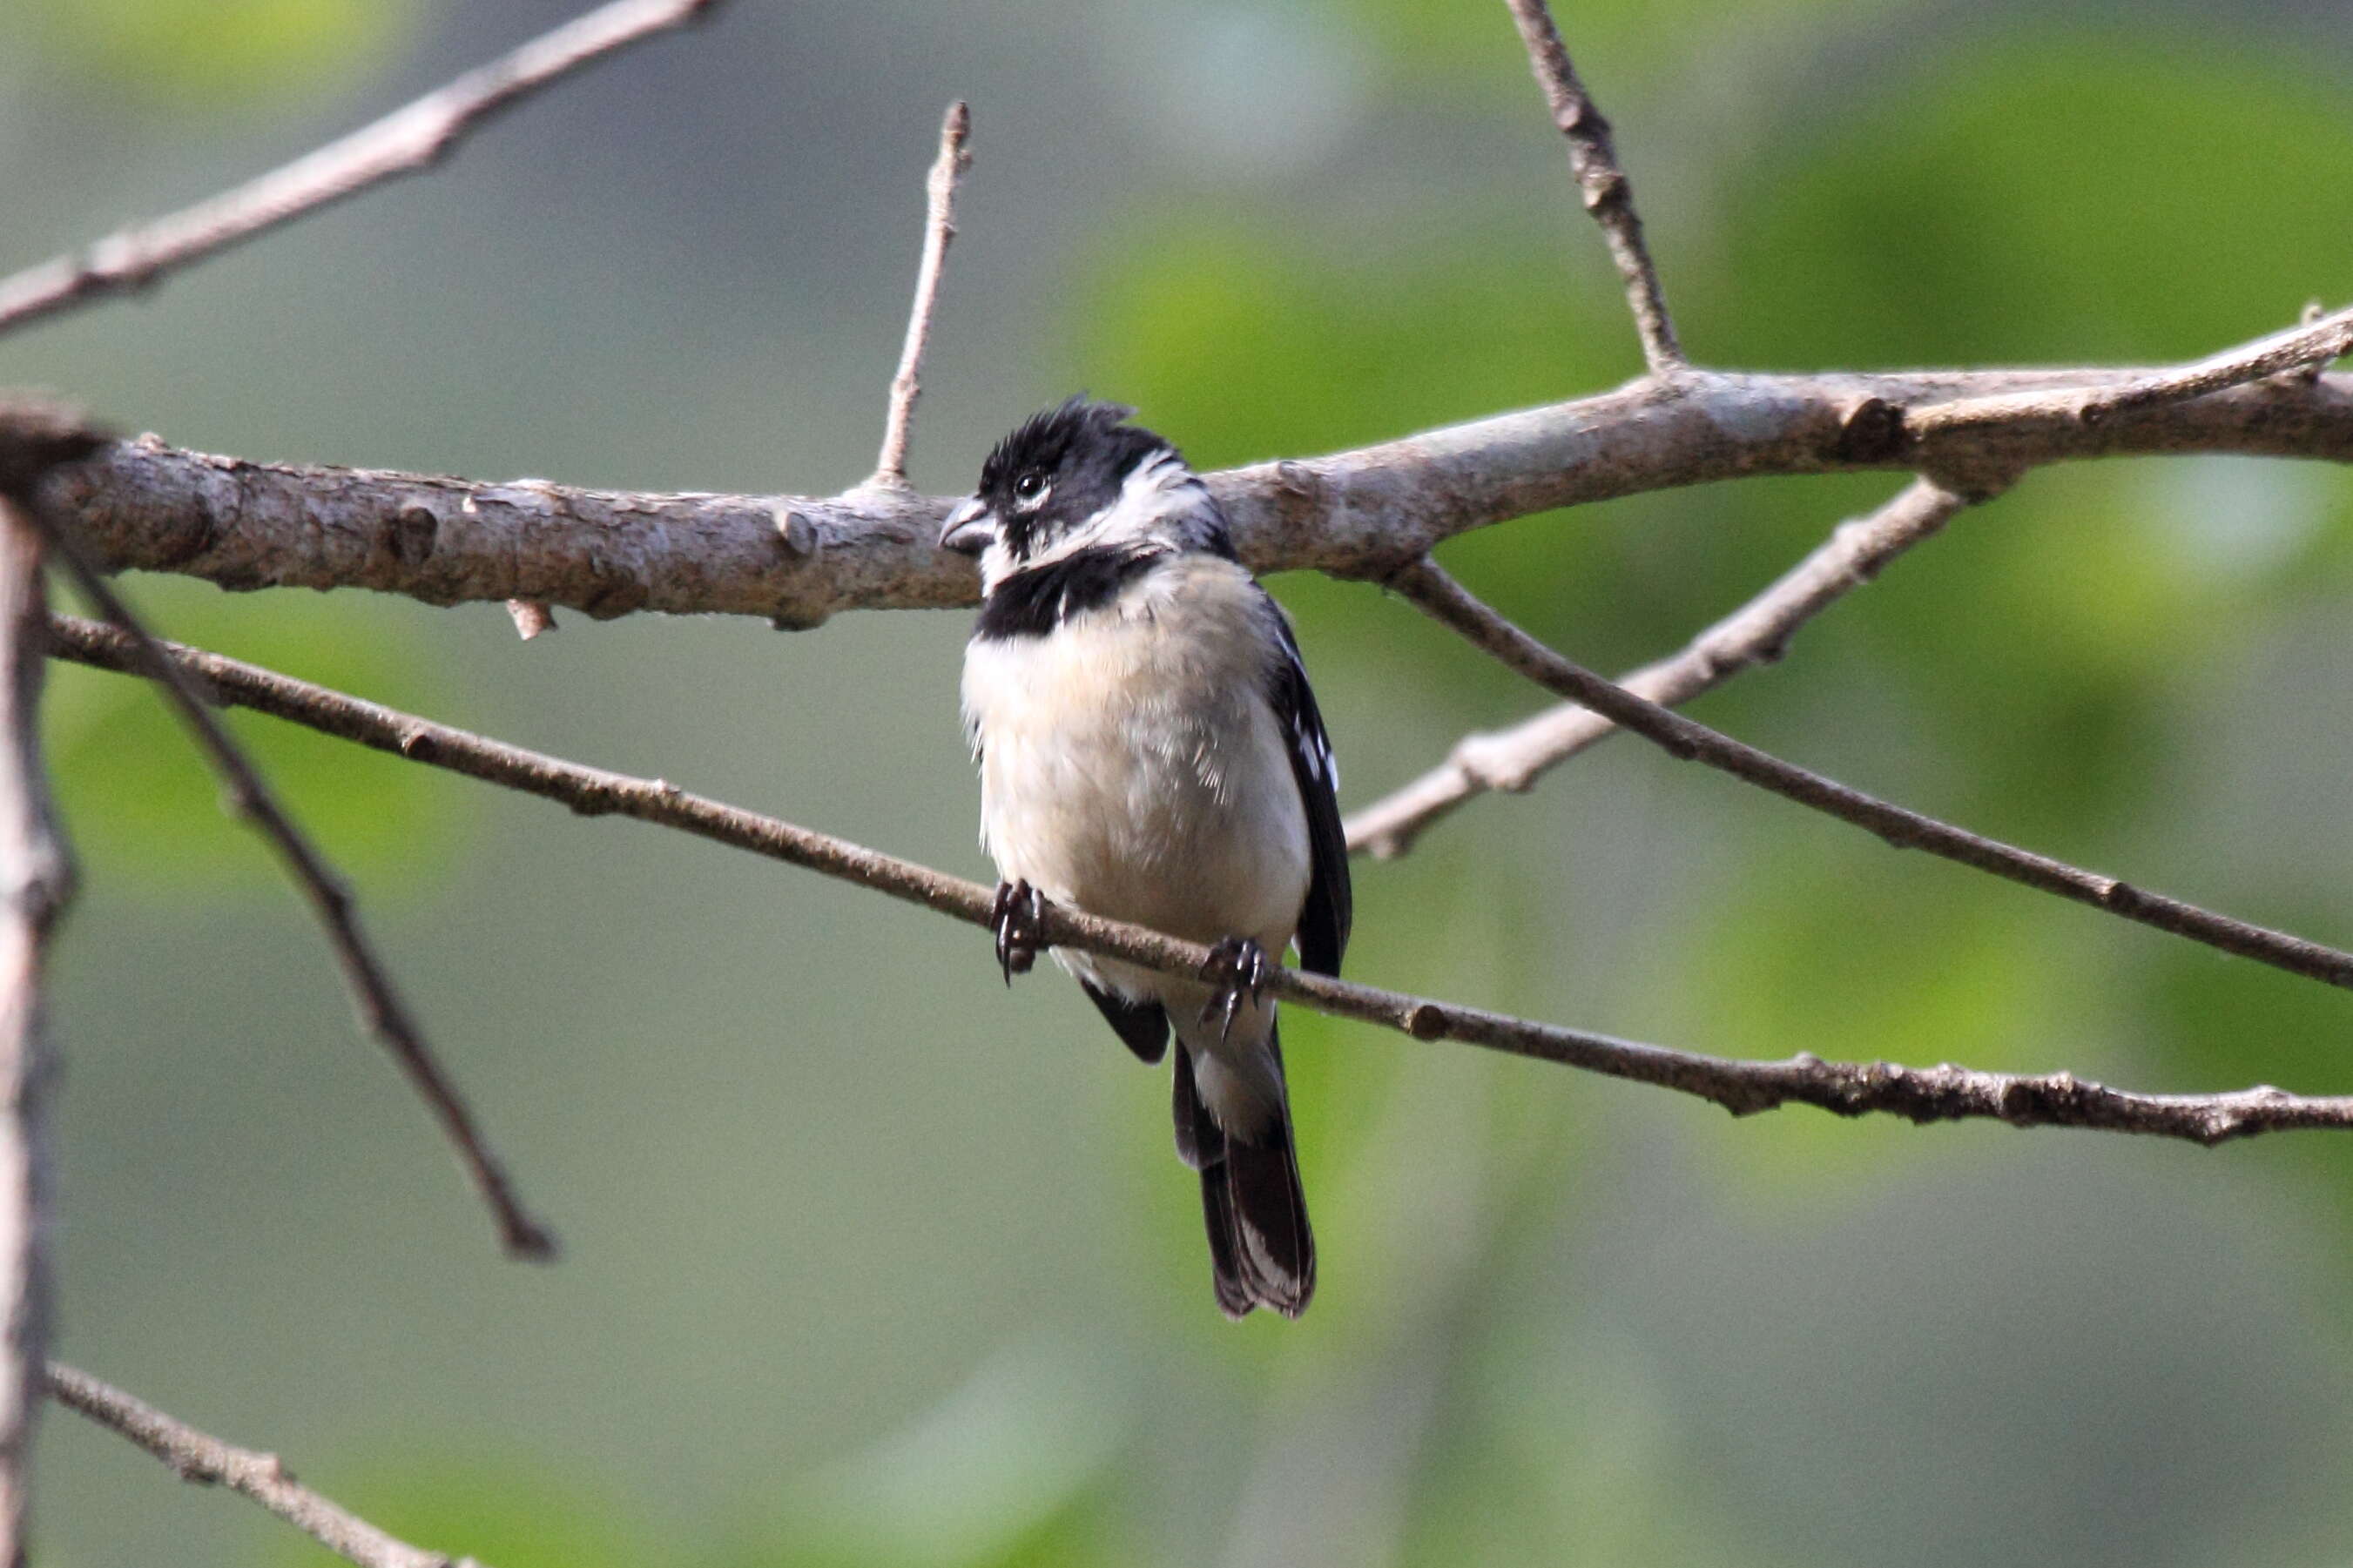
{"x":1150,"y":751}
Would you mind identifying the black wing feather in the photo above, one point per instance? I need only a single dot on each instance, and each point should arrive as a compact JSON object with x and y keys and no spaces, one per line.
{"x":1142,"y":1026}
{"x":1331,"y":904}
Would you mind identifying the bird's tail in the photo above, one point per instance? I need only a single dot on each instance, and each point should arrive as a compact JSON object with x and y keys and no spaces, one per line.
{"x":1261,"y":1251}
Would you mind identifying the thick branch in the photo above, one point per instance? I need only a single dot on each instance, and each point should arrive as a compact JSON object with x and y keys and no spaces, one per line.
{"x":382,"y":1012}
{"x":206,"y":1461}
{"x":36,"y":880}
{"x":1363,"y":513}
{"x":939,"y":231}
{"x":1757,"y":633}
{"x":1609,"y":194}
{"x":1448,"y":601}
{"x":1920,"y":1094}
{"x":405,"y":142}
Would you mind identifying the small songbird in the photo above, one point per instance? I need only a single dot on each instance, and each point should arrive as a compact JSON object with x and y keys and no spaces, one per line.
{"x":1149,"y":751}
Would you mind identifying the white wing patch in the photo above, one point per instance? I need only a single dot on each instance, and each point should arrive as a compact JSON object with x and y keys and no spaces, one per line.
{"x":1314,"y":751}
{"x":1308,"y":739}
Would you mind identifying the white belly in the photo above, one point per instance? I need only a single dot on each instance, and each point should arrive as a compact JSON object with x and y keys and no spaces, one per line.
{"x":1139,"y":774}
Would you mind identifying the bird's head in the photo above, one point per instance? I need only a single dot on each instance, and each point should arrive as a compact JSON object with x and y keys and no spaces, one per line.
{"x":1079,"y":477}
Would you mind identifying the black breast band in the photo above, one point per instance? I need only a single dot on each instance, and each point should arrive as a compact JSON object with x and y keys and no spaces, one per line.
{"x":1031,"y":602}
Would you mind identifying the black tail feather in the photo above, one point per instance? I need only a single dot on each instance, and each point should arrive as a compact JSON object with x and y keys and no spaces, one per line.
{"x":1278,"y":1249}
{"x":1234,"y":1298}
{"x":1262,"y":1250}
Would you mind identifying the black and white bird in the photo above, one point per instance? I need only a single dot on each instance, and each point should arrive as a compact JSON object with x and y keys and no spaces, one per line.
{"x":1149,"y":751}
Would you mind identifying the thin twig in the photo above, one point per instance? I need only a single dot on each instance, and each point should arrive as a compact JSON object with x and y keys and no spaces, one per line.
{"x":407,"y":141}
{"x":205,"y":1460}
{"x":1609,"y":194}
{"x":2314,"y":312}
{"x":939,"y":232}
{"x":36,"y":882}
{"x":381,"y":1011}
{"x":1920,"y":1094}
{"x":1757,"y":633}
{"x":1430,"y":589}
{"x":2303,"y":350}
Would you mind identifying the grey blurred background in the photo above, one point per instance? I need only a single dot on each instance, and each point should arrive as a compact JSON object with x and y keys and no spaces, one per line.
{"x":871,"y":1261}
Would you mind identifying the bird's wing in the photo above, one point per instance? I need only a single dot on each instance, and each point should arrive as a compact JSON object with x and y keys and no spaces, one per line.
{"x":1324,"y":922}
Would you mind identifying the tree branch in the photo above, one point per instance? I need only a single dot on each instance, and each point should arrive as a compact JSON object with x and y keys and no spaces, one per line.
{"x":205,"y":1460}
{"x":939,"y":231}
{"x":2301,"y":351}
{"x":1446,"y":601}
{"x":1364,"y":513}
{"x":1920,"y":1094}
{"x":382,"y":1013}
{"x":405,"y":142}
{"x":1609,"y":194}
{"x":1757,"y":633}
{"x":36,"y":882}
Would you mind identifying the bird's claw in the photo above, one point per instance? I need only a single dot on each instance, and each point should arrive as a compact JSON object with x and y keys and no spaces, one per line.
{"x":1019,"y":920}
{"x":1237,"y":968}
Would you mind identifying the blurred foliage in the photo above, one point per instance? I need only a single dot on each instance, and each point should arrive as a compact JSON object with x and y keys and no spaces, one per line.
{"x":1442,"y":49}
{"x":498,"y":1511}
{"x":1011,"y":1472}
{"x":221,"y":56}
{"x":140,"y":802}
{"x":1245,"y":337}
{"x":2056,"y":197}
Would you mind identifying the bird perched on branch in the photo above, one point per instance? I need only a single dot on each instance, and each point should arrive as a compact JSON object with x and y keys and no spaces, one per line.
{"x":1150,"y":752}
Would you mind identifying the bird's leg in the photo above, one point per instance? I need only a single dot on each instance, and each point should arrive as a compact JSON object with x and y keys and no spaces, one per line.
{"x":1237,"y":968}
{"x":1019,"y":920}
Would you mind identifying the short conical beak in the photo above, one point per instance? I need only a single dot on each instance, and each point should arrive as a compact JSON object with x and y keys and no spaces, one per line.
{"x":969,"y":528}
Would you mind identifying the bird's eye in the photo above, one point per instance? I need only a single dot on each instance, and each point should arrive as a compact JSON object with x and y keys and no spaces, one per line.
{"x":1030,"y":487}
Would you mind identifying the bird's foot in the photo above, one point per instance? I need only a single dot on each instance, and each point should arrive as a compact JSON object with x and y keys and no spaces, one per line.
{"x":1237,"y":968}
{"x":1020,"y":921}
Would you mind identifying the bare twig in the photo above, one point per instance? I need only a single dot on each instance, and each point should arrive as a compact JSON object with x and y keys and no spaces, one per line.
{"x":1919,"y":1094}
{"x":1609,"y":194}
{"x":1362,"y":513}
{"x":37,"y":877}
{"x":205,"y":1461}
{"x":382,"y":1012}
{"x":2314,"y":312}
{"x":2313,"y":345}
{"x":36,"y":880}
{"x":939,"y":231}
{"x":405,"y":142}
{"x":1757,"y":633}
{"x":1448,"y":601}
{"x":2304,"y":350}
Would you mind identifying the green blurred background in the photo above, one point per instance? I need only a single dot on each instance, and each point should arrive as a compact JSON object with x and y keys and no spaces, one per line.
{"x":871,"y":1262}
